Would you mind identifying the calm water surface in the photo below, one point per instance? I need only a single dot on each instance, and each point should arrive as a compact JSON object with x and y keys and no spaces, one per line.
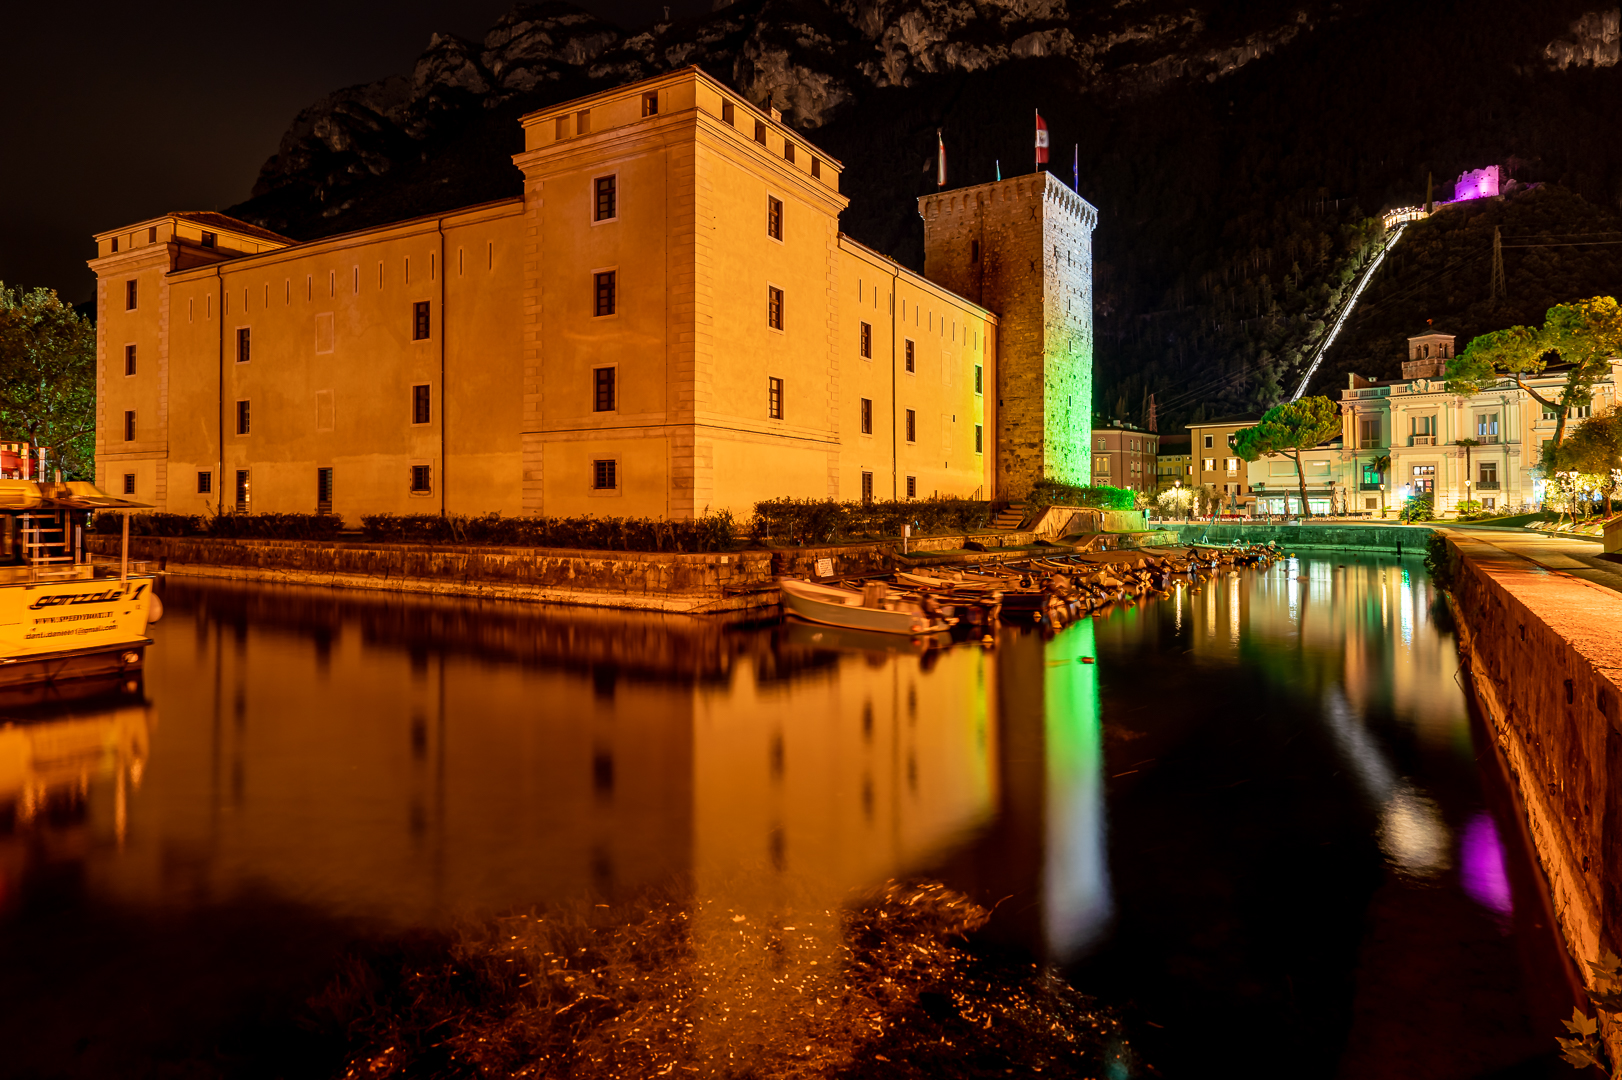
{"x":1264,"y":823}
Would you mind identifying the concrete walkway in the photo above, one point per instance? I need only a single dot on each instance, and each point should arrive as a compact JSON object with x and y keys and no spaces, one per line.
{"x":1579,"y":556}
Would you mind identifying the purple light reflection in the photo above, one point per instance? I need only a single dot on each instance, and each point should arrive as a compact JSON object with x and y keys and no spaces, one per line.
{"x":1481,"y":866}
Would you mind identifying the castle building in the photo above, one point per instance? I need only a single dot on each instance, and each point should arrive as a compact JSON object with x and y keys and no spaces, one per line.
{"x":667,"y":320}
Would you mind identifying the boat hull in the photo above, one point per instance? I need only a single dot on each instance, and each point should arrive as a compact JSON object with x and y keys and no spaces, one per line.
{"x":851,"y":617}
{"x":50,"y":627}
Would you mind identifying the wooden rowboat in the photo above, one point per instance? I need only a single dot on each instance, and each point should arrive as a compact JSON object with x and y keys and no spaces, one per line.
{"x":871,"y":609}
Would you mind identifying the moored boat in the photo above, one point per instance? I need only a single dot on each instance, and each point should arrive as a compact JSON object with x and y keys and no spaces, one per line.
{"x":61,"y":617}
{"x":872,"y":609}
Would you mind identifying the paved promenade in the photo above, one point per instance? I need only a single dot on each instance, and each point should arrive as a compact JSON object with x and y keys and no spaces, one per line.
{"x":1575,"y":555}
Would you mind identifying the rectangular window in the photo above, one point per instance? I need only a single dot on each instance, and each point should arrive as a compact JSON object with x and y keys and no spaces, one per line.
{"x":867,"y":341}
{"x":242,"y":345}
{"x":1208,"y":442}
{"x":1580,"y":412}
{"x":210,"y":239}
{"x":911,"y":356}
{"x":788,"y":151}
{"x":421,"y":410}
{"x":205,"y":482}
{"x":816,"y":168}
{"x":979,"y":379}
{"x":1210,"y":464}
{"x":1548,"y":413}
{"x":760,"y":132}
{"x":867,"y":487}
{"x":774,"y":398}
{"x":604,"y":292}
{"x":1488,"y":473}
{"x":419,"y":321}
{"x":728,"y":114}
{"x":1424,"y":479}
{"x":1101,"y":466}
{"x":1232,"y":465}
{"x":1486,"y":425}
{"x":979,"y":439}
{"x":774,"y":307}
{"x":582,"y":122}
{"x":604,"y":474}
{"x":129,"y":426}
{"x":650,"y":103}
{"x":422,"y":479}
{"x":603,"y":381}
{"x":774,"y":218}
{"x":912,"y":487}
{"x":605,"y":205}
{"x":867,"y":416}
{"x":562,"y":125}
{"x":323,"y":491}
{"x":129,"y":483}
{"x":129,"y":359}
{"x":129,"y":295}
{"x":242,"y":418}
{"x":242,"y":491}
{"x":912,"y":426}
{"x":1368,"y":432}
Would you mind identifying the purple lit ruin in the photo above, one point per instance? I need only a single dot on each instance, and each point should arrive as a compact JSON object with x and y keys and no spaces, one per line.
{"x":1477,"y":184}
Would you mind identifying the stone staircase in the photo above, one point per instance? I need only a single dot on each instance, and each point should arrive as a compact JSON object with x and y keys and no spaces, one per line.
{"x":1010,"y":518}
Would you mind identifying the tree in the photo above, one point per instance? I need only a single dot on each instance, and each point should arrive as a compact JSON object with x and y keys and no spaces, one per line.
{"x":1594,"y":448}
{"x":1289,"y":429}
{"x":48,"y":378}
{"x":1467,"y":444}
{"x":1584,"y":334}
{"x":1382,"y":465}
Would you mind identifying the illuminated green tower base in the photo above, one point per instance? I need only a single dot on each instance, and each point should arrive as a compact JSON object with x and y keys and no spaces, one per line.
{"x":1023,"y":247}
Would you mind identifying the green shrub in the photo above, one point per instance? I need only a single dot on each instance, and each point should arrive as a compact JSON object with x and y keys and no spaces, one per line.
{"x":275,"y":526}
{"x":709,"y":532}
{"x":1417,"y":508}
{"x":824,"y":521}
{"x":1101,"y":497}
{"x":150,"y":524}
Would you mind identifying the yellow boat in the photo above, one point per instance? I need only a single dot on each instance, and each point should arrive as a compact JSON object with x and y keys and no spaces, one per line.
{"x":61,"y":617}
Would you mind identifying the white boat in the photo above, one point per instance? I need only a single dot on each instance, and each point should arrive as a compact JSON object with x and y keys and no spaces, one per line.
{"x":61,"y":617}
{"x":874,"y":608}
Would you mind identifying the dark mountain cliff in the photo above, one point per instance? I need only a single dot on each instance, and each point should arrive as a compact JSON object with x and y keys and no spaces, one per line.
{"x":1239,"y":155}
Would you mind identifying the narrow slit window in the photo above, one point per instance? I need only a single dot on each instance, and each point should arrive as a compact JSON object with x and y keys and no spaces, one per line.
{"x":421,"y":409}
{"x":205,"y":482}
{"x":774,"y":398}
{"x":323,"y":491}
{"x":243,"y":345}
{"x":867,"y":487}
{"x":242,"y":418}
{"x":788,"y":151}
{"x":816,"y":168}
{"x":131,"y":293}
{"x":728,"y":116}
{"x":912,"y":487}
{"x":760,"y":132}
{"x":129,"y":359}
{"x":242,"y":491}
{"x":650,"y":103}
{"x":419,"y":321}
{"x":912,"y":426}
{"x":129,"y":425}
{"x":979,"y":379}
{"x":604,"y":389}
{"x":774,"y":218}
{"x":979,"y":439}
{"x":867,"y":416}
{"x":774,"y":307}
{"x":911,"y":356}
{"x":866,"y":341}
{"x":129,"y":483}
{"x":605,"y":290}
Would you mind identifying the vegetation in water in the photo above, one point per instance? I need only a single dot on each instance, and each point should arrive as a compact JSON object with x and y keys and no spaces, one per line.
{"x":48,"y":379}
{"x":660,"y":985}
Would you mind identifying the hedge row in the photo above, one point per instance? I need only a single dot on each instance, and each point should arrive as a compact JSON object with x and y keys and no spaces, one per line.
{"x":822,"y":521}
{"x":710,"y":532}
{"x":236,"y":526}
{"x":1101,"y":497}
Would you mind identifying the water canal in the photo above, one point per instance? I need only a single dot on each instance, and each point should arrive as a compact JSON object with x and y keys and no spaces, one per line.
{"x":1263,"y":825}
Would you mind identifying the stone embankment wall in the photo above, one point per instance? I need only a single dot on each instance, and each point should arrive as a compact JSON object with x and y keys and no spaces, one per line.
{"x":661,"y":581}
{"x":1392,"y":539}
{"x":1544,"y":653}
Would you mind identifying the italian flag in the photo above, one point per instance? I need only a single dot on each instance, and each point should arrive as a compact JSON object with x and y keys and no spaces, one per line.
{"x":1041,"y":139}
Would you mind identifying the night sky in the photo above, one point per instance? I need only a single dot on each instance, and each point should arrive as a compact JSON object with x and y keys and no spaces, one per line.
{"x":119,"y":112}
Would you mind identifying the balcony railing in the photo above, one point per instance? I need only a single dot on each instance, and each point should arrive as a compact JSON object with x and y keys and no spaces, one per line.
{"x":1369,"y":487}
{"x":1422,"y":440}
{"x":1486,"y":440}
{"x":1487,"y":485}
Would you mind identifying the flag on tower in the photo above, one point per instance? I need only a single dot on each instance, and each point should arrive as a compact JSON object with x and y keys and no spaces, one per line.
{"x":1041,"y":140}
{"x":940,"y":160}
{"x":999,"y":169}
{"x":1075,"y":170}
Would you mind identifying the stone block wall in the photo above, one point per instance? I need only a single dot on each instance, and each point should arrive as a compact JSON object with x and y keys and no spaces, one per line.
{"x":1023,"y":248}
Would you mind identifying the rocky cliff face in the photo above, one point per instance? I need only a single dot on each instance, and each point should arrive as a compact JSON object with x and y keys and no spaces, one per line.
{"x":811,"y":59}
{"x":1239,"y":155}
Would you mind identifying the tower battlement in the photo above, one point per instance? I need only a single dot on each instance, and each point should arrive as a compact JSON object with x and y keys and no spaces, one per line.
{"x":1023,"y":247}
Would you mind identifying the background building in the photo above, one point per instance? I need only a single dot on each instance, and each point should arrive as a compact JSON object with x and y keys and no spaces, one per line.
{"x":668,"y":320}
{"x":1124,"y":455}
{"x":1217,"y":465}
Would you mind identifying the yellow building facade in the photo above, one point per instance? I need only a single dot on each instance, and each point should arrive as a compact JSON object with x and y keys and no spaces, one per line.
{"x":668,"y":320}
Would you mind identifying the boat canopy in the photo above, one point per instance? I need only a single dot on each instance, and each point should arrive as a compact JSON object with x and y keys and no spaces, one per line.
{"x":26,"y":496}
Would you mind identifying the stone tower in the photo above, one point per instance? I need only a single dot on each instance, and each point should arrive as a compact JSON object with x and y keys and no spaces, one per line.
{"x":1023,"y":247}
